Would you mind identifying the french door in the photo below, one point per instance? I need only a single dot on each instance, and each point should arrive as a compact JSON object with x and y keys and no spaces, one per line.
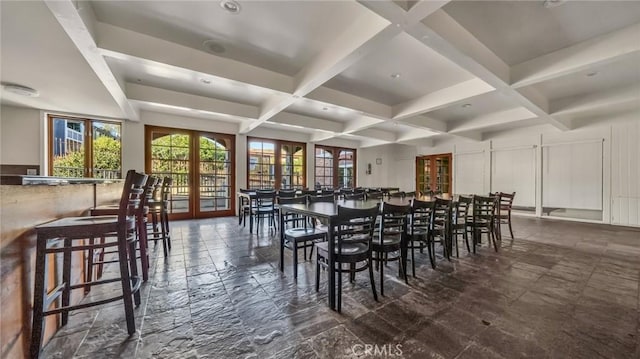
{"x":433,"y":173}
{"x":202,"y":166}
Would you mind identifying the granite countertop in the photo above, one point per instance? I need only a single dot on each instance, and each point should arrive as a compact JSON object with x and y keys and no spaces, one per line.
{"x":23,"y":180}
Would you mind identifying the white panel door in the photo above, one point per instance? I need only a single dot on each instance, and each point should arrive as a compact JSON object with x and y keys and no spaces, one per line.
{"x":469,"y":173}
{"x":625,"y":174}
{"x":514,"y":170}
{"x":572,"y":175}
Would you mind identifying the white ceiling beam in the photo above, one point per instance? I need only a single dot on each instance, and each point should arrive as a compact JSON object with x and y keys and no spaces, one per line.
{"x":320,"y":136}
{"x":414,"y":134}
{"x":361,"y":123}
{"x":473,"y":135}
{"x":157,"y":95}
{"x":493,"y":119}
{"x":362,"y":36}
{"x":80,"y":33}
{"x":441,"y":98}
{"x":372,"y":142}
{"x":426,"y":123}
{"x":422,"y":9}
{"x":121,"y":42}
{"x":579,"y":57}
{"x":350,"y":101}
{"x":307,"y":122}
{"x":376,"y":134}
{"x":469,"y":51}
{"x":274,"y":105}
{"x":582,"y":103}
{"x":444,"y":35}
{"x":428,"y":142}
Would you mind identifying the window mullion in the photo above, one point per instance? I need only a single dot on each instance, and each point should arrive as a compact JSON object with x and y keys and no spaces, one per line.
{"x":88,"y":148}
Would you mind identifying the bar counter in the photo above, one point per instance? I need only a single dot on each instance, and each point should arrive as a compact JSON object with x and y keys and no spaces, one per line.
{"x":25,"y":203}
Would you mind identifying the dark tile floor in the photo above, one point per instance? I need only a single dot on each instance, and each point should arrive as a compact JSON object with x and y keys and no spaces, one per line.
{"x":559,"y":290}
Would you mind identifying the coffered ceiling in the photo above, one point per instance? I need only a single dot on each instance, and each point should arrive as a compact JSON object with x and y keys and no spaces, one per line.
{"x":372,"y":72}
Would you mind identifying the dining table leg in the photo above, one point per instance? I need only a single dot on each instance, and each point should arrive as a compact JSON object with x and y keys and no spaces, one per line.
{"x":332,"y":264}
{"x":282,"y":240}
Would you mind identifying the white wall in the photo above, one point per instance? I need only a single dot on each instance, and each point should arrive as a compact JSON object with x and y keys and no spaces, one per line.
{"x":21,"y":136}
{"x":619,"y":164}
{"x":397,"y":167}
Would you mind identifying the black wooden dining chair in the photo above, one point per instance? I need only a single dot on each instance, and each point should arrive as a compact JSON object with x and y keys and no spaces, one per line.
{"x":391,"y":237}
{"x":441,"y":226}
{"x":265,"y":208}
{"x":459,"y":222}
{"x":352,"y":246}
{"x":503,"y":212}
{"x":418,"y":233}
{"x":299,"y":232}
{"x":481,"y":220}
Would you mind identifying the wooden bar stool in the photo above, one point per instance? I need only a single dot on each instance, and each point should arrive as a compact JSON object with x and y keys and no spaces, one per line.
{"x":141,"y":231}
{"x":158,"y":207}
{"x":69,"y":230}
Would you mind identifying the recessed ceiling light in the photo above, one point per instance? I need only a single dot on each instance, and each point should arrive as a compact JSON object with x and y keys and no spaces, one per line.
{"x":230,"y":6}
{"x":20,"y":90}
{"x":395,"y":76}
{"x":213,"y":46}
{"x":205,"y":81}
{"x":591,"y":74}
{"x":552,"y":3}
{"x":466,"y":105}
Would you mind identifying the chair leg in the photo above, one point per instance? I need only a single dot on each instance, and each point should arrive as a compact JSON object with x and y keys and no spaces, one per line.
{"x":339,"y":273}
{"x":317,"y":273}
{"x":133,"y":269}
{"x":510,"y":229}
{"x":295,"y":259}
{"x":89,"y":275}
{"x":142,"y":244}
{"x":465,"y":235}
{"x":373,"y":283}
{"x":101,"y":259}
{"x":413,"y":260}
{"x":126,"y":283}
{"x":39,"y":295}
{"x":381,"y":273}
{"x":352,"y":272}
{"x":432,"y":255}
{"x":167,"y":230}
{"x":66,"y":278}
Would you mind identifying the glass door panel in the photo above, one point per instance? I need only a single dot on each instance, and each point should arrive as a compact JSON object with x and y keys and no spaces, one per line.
{"x":292,"y":166}
{"x":324,"y":168}
{"x":345,"y":169}
{"x":442,"y":174}
{"x":215,"y":176}
{"x":170,"y":154}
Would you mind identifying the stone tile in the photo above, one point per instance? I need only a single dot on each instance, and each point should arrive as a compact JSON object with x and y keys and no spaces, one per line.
{"x":559,"y":290}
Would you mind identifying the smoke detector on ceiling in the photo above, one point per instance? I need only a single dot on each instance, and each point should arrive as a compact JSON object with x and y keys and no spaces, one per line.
{"x":230,"y":6}
{"x":20,"y":90}
{"x":213,"y":46}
